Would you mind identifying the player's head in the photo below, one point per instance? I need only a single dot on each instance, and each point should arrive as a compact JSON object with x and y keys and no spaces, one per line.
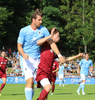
{"x":87,"y":56}
{"x":55,"y":36}
{"x":3,"y":54}
{"x":36,"y":17}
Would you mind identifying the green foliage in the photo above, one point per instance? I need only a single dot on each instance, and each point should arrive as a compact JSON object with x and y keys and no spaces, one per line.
{"x":75,"y":21}
{"x":79,"y":21}
{"x":4,"y":14}
{"x":52,"y":18}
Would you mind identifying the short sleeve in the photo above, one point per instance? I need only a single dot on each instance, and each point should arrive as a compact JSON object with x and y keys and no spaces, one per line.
{"x":21,"y":37}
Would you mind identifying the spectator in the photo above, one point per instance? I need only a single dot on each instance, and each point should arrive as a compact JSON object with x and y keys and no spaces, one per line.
{"x":14,"y":54}
{"x":9,"y":52}
{"x":77,"y":61}
{"x":9,"y":63}
{"x":12,"y":74}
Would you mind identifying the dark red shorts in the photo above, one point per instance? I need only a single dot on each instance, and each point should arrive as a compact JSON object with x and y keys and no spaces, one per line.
{"x":41,"y":75}
{"x":53,"y":78}
{"x":3,"y":76}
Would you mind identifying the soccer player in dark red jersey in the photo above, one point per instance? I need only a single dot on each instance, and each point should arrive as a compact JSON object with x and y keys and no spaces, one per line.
{"x":44,"y":72}
{"x":55,"y":68}
{"x":3,"y":63}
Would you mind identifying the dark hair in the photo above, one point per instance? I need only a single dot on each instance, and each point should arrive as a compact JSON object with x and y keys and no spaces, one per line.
{"x":55,"y":31}
{"x":2,"y":51}
{"x":35,"y":13}
{"x":86,"y":53}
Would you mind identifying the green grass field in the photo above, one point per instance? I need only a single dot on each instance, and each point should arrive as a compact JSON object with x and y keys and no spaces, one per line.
{"x":16,"y":92}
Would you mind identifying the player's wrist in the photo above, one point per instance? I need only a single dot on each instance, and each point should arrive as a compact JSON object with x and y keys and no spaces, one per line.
{"x":59,"y":55}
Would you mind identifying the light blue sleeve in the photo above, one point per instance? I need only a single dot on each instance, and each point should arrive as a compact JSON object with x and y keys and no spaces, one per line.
{"x":91,"y":64}
{"x":46,"y":32}
{"x":80,"y":63}
{"x":21,"y":37}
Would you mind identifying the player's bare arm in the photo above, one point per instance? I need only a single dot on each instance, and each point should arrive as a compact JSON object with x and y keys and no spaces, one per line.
{"x":41,"y":41}
{"x":78,"y":70}
{"x":56,"y":50}
{"x":57,"y":69}
{"x":74,"y":57}
{"x":20,"y":49}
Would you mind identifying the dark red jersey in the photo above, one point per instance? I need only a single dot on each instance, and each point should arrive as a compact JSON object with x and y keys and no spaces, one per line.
{"x":54,"y":67}
{"x":47,"y":58}
{"x":46,"y":62}
{"x":3,"y":62}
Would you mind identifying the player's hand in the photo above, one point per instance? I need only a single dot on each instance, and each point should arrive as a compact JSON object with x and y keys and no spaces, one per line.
{"x":52,"y":31}
{"x":78,"y":72}
{"x":61,"y":60}
{"x":80,"y":55}
{"x":0,"y":65}
{"x":25,"y":56}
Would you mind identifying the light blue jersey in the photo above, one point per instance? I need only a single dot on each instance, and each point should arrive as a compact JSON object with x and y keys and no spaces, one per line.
{"x":61,"y":68}
{"x":29,"y":37}
{"x":85,"y":66}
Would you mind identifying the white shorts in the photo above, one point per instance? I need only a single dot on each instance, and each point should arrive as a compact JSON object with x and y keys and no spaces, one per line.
{"x":44,"y":82}
{"x":83,"y":77}
{"x":61,"y":76}
{"x":30,"y":67}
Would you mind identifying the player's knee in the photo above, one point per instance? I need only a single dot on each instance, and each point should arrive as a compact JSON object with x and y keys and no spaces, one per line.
{"x":48,"y":87}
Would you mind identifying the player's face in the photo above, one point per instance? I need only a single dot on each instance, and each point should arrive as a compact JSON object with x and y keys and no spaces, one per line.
{"x":56,"y":37}
{"x":3,"y":54}
{"x":38,"y":21}
{"x":87,"y":56}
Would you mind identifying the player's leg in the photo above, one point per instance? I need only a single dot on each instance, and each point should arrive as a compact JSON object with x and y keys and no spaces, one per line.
{"x":80,"y":86}
{"x":83,"y":86}
{"x":53,"y":87}
{"x":60,"y":79}
{"x":63,"y":80}
{"x":3,"y":84}
{"x":28,"y":88}
{"x":28,"y":71}
{"x":47,"y":87}
{"x":35,"y":64}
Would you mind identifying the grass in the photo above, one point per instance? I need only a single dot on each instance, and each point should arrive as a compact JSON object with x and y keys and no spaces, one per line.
{"x":16,"y":92}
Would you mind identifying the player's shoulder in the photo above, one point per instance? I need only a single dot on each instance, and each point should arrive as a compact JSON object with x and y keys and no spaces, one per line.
{"x":82,"y":60}
{"x":89,"y":60}
{"x":25,"y":28}
{"x":6,"y":59}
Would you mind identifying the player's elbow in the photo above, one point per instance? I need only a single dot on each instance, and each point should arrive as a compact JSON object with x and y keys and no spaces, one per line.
{"x":39,"y":43}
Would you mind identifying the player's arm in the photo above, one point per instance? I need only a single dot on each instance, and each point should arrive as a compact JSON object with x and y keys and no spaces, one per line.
{"x":20,"y":49}
{"x":78,"y":70}
{"x":56,"y":50}
{"x":74,"y":57}
{"x":57,"y":69}
{"x":64,"y":71}
{"x":41,"y":41}
{"x":91,"y":69}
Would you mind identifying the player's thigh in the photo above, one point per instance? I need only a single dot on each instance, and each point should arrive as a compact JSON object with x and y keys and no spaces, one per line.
{"x":46,"y":84}
{"x":4,"y":80}
{"x":83,"y":77}
{"x":28,"y":69}
{"x":61,"y":76}
{"x":29,"y":82}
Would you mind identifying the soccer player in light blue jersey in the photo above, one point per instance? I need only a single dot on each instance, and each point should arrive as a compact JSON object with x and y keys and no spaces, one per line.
{"x":30,"y":51}
{"x":61,"y":75}
{"x":84,"y":64}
